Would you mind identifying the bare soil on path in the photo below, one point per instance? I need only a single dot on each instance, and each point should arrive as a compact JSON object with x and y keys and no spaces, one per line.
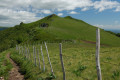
{"x":14,"y":74}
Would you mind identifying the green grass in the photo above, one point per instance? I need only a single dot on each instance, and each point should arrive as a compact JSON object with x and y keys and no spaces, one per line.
{"x":79,"y":62}
{"x":5,"y":65}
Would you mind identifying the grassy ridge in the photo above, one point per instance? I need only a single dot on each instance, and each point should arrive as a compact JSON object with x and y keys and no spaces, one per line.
{"x":79,"y":62}
{"x":69,"y":29}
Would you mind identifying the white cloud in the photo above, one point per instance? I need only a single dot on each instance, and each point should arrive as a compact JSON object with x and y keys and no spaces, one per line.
{"x":15,"y":17}
{"x":105,"y":4}
{"x":116,"y":22}
{"x":117,"y":9}
{"x":46,"y":4}
{"x":26,"y":10}
{"x":61,"y":4}
{"x":46,"y":11}
{"x":99,"y":25}
{"x":73,"y":12}
{"x":60,"y":14}
{"x":108,"y":26}
{"x":85,"y":9}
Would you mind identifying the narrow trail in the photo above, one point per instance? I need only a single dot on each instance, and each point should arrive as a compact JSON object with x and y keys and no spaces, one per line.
{"x":14,"y":74}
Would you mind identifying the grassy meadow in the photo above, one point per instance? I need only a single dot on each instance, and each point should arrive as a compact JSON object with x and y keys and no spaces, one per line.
{"x":79,"y":62}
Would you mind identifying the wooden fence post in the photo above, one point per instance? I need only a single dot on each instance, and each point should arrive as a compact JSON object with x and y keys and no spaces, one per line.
{"x":33,"y":53}
{"x":22,"y":51}
{"x":60,"y":45}
{"x":19,"y":49}
{"x":16,"y":47}
{"x":28,"y":52}
{"x":97,"y":54}
{"x":49,"y":59}
{"x":25,"y":52}
{"x":35,"y":56}
{"x":43,"y":59}
{"x":38,"y":59}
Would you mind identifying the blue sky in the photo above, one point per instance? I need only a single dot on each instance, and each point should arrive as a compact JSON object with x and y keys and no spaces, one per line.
{"x":102,"y":13}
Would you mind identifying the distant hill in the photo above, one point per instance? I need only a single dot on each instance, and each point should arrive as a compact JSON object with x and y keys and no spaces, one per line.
{"x":3,"y":28}
{"x":115,"y":31}
{"x":54,"y":28}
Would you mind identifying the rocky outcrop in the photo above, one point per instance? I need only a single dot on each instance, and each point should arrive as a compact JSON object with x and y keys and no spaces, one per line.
{"x":44,"y":25}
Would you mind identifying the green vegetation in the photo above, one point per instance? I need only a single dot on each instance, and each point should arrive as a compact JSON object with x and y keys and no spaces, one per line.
{"x":5,"y":65}
{"x":54,"y":29}
{"x":79,"y":62}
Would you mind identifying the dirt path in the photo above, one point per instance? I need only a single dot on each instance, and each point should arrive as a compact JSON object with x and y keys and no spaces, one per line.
{"x":14,"y":74}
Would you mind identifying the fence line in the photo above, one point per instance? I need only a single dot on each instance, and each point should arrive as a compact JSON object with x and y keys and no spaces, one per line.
{"x":25,"y":51}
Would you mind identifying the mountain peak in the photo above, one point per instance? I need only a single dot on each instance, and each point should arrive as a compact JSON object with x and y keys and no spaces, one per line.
{"x":53,"y":15}
{"x":68,"y":17}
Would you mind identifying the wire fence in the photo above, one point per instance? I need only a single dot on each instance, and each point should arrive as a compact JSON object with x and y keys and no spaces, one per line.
{"x":36,"y":54}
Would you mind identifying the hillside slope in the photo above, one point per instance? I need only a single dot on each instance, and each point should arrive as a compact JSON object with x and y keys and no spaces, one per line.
{"x":69,"y":28}
{"x":54,"y":28}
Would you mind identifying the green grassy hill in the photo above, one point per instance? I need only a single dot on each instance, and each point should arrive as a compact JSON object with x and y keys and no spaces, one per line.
{"x":54,"y":28}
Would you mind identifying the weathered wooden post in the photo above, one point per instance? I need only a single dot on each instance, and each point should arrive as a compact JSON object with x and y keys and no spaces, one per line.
{"x":97,"y":54}
{"x":19,"y":49}
{"x":43,"y":59}
{"x":28,"y":52}
{"x":33,"y":53}
{"x":38,"y":59}
{"x":63,"y":70}
{"x":22,"y":51}
{"x":35,"y":56}
{"x":25,"y":52}
{"x":16,"y":47}
{"x":49,"y":59}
